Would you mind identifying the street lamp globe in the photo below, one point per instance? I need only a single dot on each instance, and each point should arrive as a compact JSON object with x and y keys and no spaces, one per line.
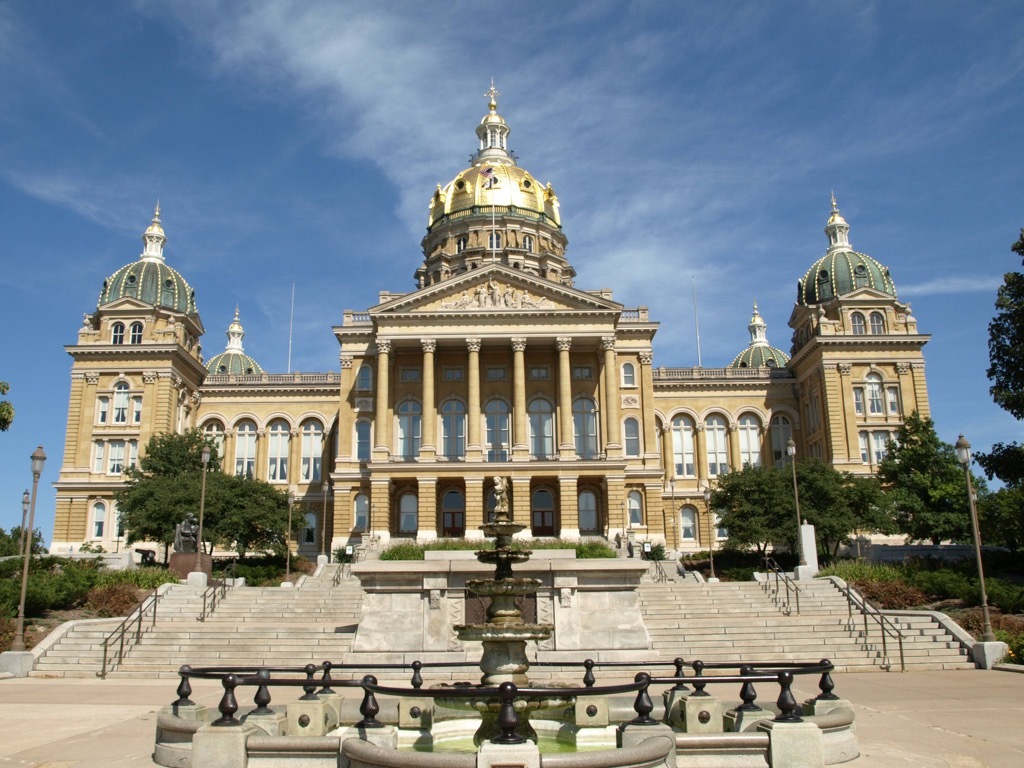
{"x":963,"y":450}
{"x":790,"y":448}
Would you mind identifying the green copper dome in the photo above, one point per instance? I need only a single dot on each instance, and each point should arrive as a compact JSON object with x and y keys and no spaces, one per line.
{"x":759,"y":354}
{"x":150,"y":279}
{"x":841,"y":270}
{"x":233,"y":359}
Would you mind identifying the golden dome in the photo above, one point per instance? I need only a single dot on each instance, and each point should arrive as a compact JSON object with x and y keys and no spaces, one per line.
{"x":511,"y":188}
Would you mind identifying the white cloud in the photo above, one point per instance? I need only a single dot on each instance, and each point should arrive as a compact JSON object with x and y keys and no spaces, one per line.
{"x":952,"y":286}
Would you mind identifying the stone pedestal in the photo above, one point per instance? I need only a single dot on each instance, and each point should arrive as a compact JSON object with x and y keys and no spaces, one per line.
{"x":818,"y":707}
{"x":738,"y":720}
{"x":181,"y":564}
{"x":508,"y":755}
{"x":222,"y":746}
{"x":272,"y":723}
{"x":17,"y":663}
{"x":694,"y":714}
{"x":986,"y":655}
{"x":310,"y":717}
{"x":794,"y":745}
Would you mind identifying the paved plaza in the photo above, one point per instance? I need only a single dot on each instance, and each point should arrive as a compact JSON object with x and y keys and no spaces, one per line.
{"x":968,"y":719}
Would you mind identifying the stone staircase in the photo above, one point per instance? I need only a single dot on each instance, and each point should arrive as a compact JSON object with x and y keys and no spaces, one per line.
{"x":740,"y":620}
{"x":266,"y":626}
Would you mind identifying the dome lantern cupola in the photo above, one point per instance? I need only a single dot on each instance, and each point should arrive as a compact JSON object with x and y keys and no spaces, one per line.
{"x":233,"y":359}
{"x":759,"y":354}
{"x":153,"y":238}
{"x":493,"y":132}
{"x":837,"y":229}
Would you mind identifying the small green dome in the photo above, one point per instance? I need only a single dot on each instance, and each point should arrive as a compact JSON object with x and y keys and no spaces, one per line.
{"x":149,"y":279}
{"x":759,"y":354}
{"x":233,"y":359}
{"x":841,"y":270}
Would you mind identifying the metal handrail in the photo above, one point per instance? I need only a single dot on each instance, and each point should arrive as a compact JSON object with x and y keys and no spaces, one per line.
{"x":657,"y":572}
{"x":213,"y":595}
{"x":122,"y":632}
{"x":772,"y":568}
{"x":887,"y":628}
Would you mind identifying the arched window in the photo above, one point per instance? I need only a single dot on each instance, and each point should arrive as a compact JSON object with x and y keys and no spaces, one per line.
{"x":361,"y":508}
{"x":584,"y":422}
{"x":542,"y":428}
{"x":857,"y":324}
{"x":496,"y":423}
{"x":121,"y":401}
{"x":117,"y":333}
{"x":364,"y":379}
{"x":461,"y":243}
{"x":782,"y":431}
{"x":363,"y":431}
{"x":631,"y":436}
{"x":635,"y":507}
{"x":682,"y":447}
{"x":750,"y":441}
{"x":277,"y":452}
{"x":877,"y":323}
{"x":718,"y":453}
{"x":494,"y":241}
{"x":873,"y":384}
{"x":409,"y":418}
{"x":99,"y":518}
{"x":587,"y":502}
{"x":688,"y":524}
{"x":245,"y":449}
{"x":453,"y":429}
{"x":214,"y":433}
{"x":542,"y":512}
{"x":628,"y":375}
{"x":528,"y":243}
{"x":136,"y":333}
{"x":408,"y":513}
{"x":312,"y":450}
{"x":453,"y":513}
{"x":309,"y":529}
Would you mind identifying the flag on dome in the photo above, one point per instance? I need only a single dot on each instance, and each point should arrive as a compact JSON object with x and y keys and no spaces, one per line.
{"x":490,"y":180}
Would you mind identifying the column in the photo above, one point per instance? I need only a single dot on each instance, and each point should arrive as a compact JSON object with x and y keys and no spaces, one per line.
{"x":427,"y":525}
{"x":700,"y":447}
{"x":520,"y":446}
{"x":849,"y":412}
{"x":568,"y":507}
{"x":379,"y":523}
{"x":647,"y":409}
{"x":613,"y":441}
{"x":566,"y":438}
{"x":428,"y":446}
{"x":262,"y":455}
{"x":921,"y":404}
{"x":521,"y":502}
{"x":295,"y":463}
{"x":615,"y":517}
{"x":474,"y":507}
{"x":346,"y":412}
{"x":733,"y":436}
{"x":473,"y":447}
{"x":381,"y":423}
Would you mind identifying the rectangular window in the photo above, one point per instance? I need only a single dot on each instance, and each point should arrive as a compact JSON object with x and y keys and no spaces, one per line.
{"x":133,"y":453}
{"x":539,"y":373}
{"x":582,"y":372}
{"x":115,"y":457}
{"x":136,"y":410}
{"x":880,"y":440}
{"x":865,"y":455}
{"x":858,"y":400}
{"x":102,"y":406}
{"x":408,"y":374}
{"x":452,"y":374}
{"x":894,"y":400}
{"x":496,"y":373}
{"x":97,"y":456}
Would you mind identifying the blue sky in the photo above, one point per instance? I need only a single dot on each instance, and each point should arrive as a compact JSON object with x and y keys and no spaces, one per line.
{"x":301,"y":141}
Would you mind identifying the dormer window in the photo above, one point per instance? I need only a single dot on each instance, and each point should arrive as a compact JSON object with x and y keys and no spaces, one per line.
{"x":528,"y":243}
{"x":461,"y":243}
{"x":136,"y":333}
{"x":117,"y":333}
{"x":877,"y":324}
{"x":494,"y":241}
{"x":857,"y":324}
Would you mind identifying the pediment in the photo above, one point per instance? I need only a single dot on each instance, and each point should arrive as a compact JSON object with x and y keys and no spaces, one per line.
{"x":492,"y":289}
{"x":127,"y":303}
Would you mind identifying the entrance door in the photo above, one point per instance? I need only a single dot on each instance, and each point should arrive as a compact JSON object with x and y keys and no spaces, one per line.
{"x":453,"y":514}
{"x":542,"y":513}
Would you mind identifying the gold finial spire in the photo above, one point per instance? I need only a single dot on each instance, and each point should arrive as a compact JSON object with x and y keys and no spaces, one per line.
{"x":492,"y":94}
{"x":835,"y":208}
{"x":156,"y":212}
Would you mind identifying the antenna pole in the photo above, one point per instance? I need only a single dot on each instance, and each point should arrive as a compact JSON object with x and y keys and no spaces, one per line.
{"x":696,"y":321}
{"x":291,"y":325}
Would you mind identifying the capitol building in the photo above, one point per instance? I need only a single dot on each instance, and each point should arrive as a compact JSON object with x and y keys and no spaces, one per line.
{"x":495,"y":364}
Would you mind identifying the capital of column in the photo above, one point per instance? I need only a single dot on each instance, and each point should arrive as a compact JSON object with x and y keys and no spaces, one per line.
{"x":383,"y":346}
{"x":902,"y":368}
{"x":844,"y":368}
{"x":473,"y":345}
{"x":429,"y":345}
{"x":563,"y":343}
{"x":608,"y":343}
{"x":518,"y":344}
{"x":345,"y":360}
{"x":92,"y":378}
{"x":646,"y":358}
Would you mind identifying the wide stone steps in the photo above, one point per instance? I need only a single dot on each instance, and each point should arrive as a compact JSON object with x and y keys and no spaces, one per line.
{"x":743,"y":620}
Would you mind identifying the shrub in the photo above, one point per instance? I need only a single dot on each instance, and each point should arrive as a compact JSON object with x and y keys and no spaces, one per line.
{"x":1008,"y":598}
{"x":942,"y":585}
{"x":891,"y":594}
{"x":142,"y":578}
{"x":113,"y":600}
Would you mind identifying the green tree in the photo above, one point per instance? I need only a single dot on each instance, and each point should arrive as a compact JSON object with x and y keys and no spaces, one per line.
{"x":238,"y":513}
{"x":10,"y":543}
{"x":1001,"y":518}
{"x":924,"y":484}
{"x":6,"y":409}
{"x":756,"y":506}
{"x":1006,"y":372}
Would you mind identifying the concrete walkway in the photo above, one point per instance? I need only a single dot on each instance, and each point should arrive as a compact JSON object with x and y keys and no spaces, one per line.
{"x":968,"y":719}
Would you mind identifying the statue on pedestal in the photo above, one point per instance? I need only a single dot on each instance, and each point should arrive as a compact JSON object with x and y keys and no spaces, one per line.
{"x":185,"y":535}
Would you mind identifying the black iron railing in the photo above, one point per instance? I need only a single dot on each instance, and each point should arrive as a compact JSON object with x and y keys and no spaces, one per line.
{"x":117,"y":644}
{"x":886,"y":627}
{"x":212,"y":597}
{"x":781,"y":586}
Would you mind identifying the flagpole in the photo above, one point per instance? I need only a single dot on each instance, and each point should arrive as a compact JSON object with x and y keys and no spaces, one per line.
{"x":291,"y":325}
{"x":696,"y":321}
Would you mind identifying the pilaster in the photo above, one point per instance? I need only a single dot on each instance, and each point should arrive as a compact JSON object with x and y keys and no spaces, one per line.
{"x":566,"y":442}
{"x":381,"y":422}
{"x":474,"y":451}
{"x":428,"y":446}
{"x":613,"y":441}
{"x":474,"y":506}
{"x":521,"y":500}
{"x":646,"y":414}
{"x":568,"y":507}
{"x":520,"y":446}
{"x":428,"y":525}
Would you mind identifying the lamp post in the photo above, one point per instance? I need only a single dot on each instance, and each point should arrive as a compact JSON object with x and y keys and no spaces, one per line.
{"x":714,"y":533}
{"x":202,"y":508}
{"x":791,"y":452}
{"x":323,"y":518}
{"x":963,"y":455}
{"x":24,"y":517}
{"x":675,"y":512}
{"x":288,"y":541}
{"x":38,"y":460}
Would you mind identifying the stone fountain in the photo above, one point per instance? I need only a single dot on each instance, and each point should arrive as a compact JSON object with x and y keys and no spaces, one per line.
{"x":504,"y":635}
